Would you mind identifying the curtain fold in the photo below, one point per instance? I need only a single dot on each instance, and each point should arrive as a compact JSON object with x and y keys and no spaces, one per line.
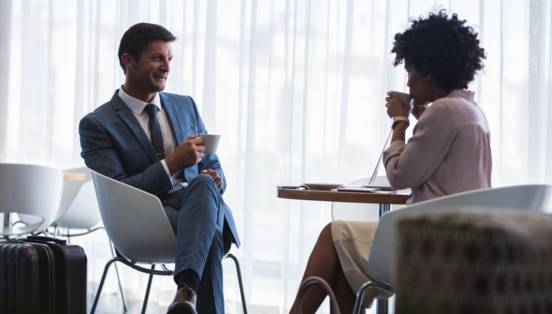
{"x":5,"y":38}
{"x":295,"y":87}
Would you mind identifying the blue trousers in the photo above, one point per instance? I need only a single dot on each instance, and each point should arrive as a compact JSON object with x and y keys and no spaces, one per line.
{"x":197,"y":216}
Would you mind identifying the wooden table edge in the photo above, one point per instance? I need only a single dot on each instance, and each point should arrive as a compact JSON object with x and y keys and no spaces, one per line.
{"x":345,"y":197}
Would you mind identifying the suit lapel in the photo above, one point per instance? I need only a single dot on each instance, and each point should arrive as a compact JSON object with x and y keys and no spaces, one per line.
{"x":173,"y":115}
{"x":124,"y":112}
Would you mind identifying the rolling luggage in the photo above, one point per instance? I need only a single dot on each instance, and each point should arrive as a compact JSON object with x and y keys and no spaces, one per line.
{"x":42,"y":275}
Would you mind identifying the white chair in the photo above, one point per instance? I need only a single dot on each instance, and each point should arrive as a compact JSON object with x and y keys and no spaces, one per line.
{"x":79,"y":210}
{"x":79,"y":207}
{"x":357,"y":211}
{"x":382,"y":254}
{"x":136,"y":223}
{"x":30,"y":190}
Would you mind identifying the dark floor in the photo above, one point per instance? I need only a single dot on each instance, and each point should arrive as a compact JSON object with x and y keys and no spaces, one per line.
{"x":112,"y":304}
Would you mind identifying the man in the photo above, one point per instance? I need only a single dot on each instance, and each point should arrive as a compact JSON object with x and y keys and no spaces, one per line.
{"x":163,"y":155}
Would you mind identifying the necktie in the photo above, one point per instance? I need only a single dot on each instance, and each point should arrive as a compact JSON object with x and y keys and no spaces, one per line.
{"x":155,"y":131}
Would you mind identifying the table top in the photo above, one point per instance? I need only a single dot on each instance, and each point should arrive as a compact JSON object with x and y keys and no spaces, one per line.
{"x":348,"y":197}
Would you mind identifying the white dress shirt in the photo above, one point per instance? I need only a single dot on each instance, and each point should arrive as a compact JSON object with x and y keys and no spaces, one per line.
{"x":169,"y":144}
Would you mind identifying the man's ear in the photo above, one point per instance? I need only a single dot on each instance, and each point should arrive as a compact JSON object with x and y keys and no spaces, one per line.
{"x":428,"y":77}
{"x":127,"y":60}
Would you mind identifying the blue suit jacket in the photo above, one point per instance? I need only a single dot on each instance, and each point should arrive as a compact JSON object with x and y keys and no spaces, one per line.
{"x":114,"y":144}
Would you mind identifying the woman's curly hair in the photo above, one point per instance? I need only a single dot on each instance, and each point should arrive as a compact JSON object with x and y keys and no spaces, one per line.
{"x":442,"y":47}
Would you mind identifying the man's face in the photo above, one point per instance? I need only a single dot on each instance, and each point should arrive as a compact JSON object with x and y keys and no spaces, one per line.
{"x":150,"y":73}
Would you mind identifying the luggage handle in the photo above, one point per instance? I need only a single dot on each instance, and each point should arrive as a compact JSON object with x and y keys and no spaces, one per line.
{"x":42,"y":239}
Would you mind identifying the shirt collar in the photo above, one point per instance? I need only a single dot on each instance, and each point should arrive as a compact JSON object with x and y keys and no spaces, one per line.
{"x":469,"y":95}
{"x":137,"y":106}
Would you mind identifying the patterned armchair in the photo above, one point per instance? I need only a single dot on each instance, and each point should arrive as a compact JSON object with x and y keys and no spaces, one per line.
{"x":479,"y":262}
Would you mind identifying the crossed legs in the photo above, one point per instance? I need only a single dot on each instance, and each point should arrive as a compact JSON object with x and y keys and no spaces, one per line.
{"x":324,"y":262}
{"x":197,"y":215}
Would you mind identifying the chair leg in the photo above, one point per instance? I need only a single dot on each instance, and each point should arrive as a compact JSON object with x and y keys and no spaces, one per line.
{"x":235,"y":259}
{"x":315,"y":281}
{"x":383,"y":308}
{"x":125,"y":307}
{"x":97,"y":297}
{"x":148,"y":291}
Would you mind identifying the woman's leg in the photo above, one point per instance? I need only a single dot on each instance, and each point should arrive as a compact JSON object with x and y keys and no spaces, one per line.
{"x":324,"y":262}
{"x":344,"y":294}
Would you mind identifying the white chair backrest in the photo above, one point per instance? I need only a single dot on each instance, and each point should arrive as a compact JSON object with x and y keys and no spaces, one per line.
{"x":79,"y":206}
{"x":30,"y":190}
{"x":135,"y":221}
{"x":357,"y":211}
{"x":523,"y":197}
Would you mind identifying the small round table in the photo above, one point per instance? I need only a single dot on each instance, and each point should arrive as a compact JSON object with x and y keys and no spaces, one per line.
{"x":384,"y":198}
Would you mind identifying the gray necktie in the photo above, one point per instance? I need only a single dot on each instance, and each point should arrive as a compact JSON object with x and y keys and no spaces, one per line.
{"x":155,"y":131}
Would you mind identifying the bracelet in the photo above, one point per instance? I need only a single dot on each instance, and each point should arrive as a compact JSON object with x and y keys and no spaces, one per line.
{"x":397,"y":119}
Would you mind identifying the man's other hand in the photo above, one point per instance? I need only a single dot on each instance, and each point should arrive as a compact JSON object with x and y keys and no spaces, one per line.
{"x":214,"y":174}
{"x":186,"y":155}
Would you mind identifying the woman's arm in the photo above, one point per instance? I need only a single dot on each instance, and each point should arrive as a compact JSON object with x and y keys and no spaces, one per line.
{"x":409,"y":165}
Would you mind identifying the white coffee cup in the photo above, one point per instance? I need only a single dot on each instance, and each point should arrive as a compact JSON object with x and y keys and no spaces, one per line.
{"x":406,"y":98}
{"x":210,"y":141}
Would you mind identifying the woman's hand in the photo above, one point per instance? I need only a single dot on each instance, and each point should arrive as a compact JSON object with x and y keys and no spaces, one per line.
{"x":418,"y":110}
{"x":396,"y":107}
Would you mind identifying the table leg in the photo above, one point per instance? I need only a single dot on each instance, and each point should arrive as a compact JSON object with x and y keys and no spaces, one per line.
{"x":384,"y":208}
{"x":7,"y":224}
{"x":382,"y":306}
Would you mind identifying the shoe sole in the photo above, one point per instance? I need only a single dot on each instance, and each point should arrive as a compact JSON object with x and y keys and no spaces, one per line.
{"x":182,"y":309}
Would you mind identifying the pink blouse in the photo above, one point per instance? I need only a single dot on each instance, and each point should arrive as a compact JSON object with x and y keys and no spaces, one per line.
{"x":448,"y":153}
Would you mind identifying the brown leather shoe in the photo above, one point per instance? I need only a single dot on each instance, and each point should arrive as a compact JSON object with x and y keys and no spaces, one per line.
{"x":184,"y":302}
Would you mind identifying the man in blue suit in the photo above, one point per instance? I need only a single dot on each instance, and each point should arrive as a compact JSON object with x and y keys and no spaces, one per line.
{"x":163,"y":155}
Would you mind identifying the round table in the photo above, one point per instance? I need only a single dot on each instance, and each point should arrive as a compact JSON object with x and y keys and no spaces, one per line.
{"x":384,"y":198}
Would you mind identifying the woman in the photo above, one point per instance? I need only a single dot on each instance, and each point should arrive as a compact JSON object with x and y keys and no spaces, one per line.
{"x":448,"y":153}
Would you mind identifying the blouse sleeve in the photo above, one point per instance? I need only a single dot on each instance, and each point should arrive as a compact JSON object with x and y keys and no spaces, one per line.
{"x":409,"y":165}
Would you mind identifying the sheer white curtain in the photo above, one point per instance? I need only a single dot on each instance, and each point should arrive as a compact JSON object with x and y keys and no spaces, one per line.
{"x":295,"y":87}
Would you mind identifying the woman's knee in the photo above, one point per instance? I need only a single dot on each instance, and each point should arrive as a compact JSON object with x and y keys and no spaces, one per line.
{"x":326,"y":232}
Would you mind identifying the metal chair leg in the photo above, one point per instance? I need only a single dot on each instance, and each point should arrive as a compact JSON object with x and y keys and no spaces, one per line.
{"x":383,"y":308}
{"x":145,"y":304}
{"x":97,"y":297}
{"x":123,"y":260}
{"x":238,"y":269}
{"x":125,"y":307}
{"x":312,"y":281}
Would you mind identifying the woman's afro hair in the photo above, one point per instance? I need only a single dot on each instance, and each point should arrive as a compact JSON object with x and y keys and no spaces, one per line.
{"x":443,"y":47}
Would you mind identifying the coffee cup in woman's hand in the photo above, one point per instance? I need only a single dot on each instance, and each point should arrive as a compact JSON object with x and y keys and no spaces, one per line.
{"x":406,"y":98}
{"x":398,"y":104}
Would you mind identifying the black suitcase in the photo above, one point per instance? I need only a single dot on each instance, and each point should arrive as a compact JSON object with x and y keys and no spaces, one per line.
{"x":42,"y":275}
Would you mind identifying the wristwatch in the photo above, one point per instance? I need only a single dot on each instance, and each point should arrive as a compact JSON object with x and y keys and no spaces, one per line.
{"x":397,"y":119}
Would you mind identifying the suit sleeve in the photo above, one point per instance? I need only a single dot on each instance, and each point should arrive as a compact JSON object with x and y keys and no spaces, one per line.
{"x":209,"y":161}
{"x":100,"y":154}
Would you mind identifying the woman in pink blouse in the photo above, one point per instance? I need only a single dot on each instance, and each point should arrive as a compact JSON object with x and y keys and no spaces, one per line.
{"x":448,"y":153}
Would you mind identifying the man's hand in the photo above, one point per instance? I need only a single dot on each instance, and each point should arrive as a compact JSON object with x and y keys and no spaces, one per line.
{"x":214,"y":174}
{"x":186,"y":155}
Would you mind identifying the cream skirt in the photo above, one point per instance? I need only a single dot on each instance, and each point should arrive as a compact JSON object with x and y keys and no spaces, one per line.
{"x":352,"y":240}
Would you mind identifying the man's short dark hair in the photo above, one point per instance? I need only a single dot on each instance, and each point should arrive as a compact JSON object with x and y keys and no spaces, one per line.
{"x":442,"y":47}
{"x":137,"y":37}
